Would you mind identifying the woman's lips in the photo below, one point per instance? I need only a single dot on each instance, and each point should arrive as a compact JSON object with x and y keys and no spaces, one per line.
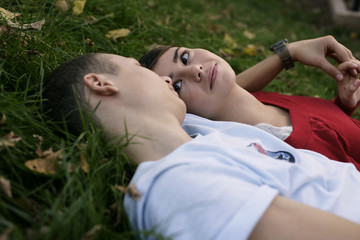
{"x":212,"y":75}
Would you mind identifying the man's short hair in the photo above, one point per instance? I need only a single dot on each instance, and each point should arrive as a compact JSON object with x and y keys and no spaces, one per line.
{"x":64,"y":91}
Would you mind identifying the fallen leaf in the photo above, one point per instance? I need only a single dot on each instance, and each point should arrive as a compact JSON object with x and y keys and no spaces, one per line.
{"x":38,"y":137}
{"x":250,"y":50}
{"x":46,"y":165}
{"x":3,"y":119}
{"x":89,"y":42}
{"x":229,"y":41}
{"x":60,"y":43}
{"x":354,"y":35}
{"x":35,"y":25}
{"x":6,"y":233}
{"x":9,"y":140}
{"x":78,"y":7}
{"x":62,"y":5}
{"x":84,"y":164}
{"x":91,"y":20}
{"x":7,"y":15}
{"x":117,"y":209}
{"x":249,"y":35}
{"x":118,"y":33}
{"x":131,"y":190}
{"x":92,"y":233}
{"x":5,"y":186}
{"x":32,"y":52}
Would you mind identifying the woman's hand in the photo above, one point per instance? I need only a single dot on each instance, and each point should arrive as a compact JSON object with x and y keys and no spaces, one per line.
{"x":348,"y":88}
{"x":313,"y":52}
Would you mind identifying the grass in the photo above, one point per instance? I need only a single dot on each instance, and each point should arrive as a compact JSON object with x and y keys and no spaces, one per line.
{"x":77,"y":204}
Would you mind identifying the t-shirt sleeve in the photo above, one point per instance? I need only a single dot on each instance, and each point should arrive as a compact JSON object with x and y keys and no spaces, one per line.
{"x":204,"y":204}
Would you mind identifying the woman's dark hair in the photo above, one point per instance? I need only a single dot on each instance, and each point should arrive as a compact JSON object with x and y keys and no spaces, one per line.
{"x":150,"y":58}
{"x":64,"y":91}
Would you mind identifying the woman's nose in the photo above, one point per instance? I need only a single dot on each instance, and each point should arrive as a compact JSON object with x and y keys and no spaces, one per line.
{"x":195,"y":72}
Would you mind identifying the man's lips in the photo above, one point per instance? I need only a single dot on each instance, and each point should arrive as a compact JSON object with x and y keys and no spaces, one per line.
{"x":212,"y":75}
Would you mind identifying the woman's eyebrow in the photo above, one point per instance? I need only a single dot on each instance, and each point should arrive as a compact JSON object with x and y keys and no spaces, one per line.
{"x":175,"y":58}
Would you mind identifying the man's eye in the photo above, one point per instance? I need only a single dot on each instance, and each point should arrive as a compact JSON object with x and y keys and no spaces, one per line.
{"x":185,"y":57}
{"x":177,"y":86}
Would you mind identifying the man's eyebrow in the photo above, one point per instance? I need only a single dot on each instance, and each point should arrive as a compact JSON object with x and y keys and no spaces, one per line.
{"x":175,"y":58}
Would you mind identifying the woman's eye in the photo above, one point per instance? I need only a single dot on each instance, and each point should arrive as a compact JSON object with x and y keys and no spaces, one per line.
{"x":177,"y":86}
{"x":185,"y":57}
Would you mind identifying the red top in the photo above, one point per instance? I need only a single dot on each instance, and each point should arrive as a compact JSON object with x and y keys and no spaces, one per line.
{"x":319,"y":125}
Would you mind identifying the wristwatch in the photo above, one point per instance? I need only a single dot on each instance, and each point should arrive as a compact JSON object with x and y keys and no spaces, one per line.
{"x":281,"y":49}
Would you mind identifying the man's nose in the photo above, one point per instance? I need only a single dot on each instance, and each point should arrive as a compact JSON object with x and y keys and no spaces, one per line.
{"x":166,"y":79}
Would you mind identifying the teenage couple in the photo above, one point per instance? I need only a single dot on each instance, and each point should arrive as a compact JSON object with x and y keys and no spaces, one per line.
{"x":204,"y":179}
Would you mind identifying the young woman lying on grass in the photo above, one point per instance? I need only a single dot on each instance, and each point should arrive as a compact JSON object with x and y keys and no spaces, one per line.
{"x":207,"y":85}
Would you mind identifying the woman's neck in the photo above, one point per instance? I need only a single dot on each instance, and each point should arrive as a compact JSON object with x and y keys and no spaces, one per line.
{"x":241,"y":106}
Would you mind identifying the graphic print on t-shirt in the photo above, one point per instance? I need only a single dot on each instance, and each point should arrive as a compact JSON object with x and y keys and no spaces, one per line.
{"x":279,"y":155}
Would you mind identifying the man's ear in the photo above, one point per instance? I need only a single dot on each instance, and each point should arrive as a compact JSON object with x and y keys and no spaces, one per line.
{"x":100,"y":84}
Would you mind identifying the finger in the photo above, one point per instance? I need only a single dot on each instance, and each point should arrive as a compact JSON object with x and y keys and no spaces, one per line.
{"x":349,"y":65}
{"x":332,"y":71}
{"x":354,"y":72}
{"x":356,"y":85}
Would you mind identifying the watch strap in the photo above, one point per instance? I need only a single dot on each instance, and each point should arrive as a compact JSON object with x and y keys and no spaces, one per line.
{"x":280,"y":48}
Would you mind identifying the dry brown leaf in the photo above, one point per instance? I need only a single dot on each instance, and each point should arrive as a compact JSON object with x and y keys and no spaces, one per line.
{"x":7,"y":15}
{"x":78,"y":7}
{"x":117,"y":209}
{"x":249,"y":35}
{"x":9,"y":140}
{"x":5,"y":186}
{"x":92,"y":233}
{"x":5,"y":235}
{"x":34,"y":26}
{"x":38,"y":137}
{"x":62,"y":5}
{"x":46,"y":165}
{"x":91,"y":20}
{"x":118,"y":33}
{"x":3,"y":119}
{"x":60,"y":43}
{"x":131,"y":190}
{"x":89,"y":42}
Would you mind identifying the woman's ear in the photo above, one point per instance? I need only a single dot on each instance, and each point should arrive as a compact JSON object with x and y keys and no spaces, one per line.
{"x":100,"y":84}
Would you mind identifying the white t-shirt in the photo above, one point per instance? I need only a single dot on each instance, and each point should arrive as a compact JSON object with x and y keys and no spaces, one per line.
{"x":218,"y":185}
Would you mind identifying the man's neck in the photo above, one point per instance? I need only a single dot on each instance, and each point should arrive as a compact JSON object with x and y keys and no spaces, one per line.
{"x":154,"y":139}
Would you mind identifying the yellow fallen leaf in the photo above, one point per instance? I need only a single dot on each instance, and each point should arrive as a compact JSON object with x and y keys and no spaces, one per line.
{"x":354,"y":35}
{"x":84,"y":164}
{"x":229,"y":41}
{"x":78,"y":7}
{"x":62,"y":5}
{"x":117,"y":33}
{"x":5,"y":186}
{"x":3,"y":119}
{"x":250,"y":49}
{"x":7,"y":15}
{"x":249,"y":35}
{"x":131,"y":190}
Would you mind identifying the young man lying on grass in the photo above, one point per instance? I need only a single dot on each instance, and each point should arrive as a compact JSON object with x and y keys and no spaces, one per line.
{"x":237,"y":183}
